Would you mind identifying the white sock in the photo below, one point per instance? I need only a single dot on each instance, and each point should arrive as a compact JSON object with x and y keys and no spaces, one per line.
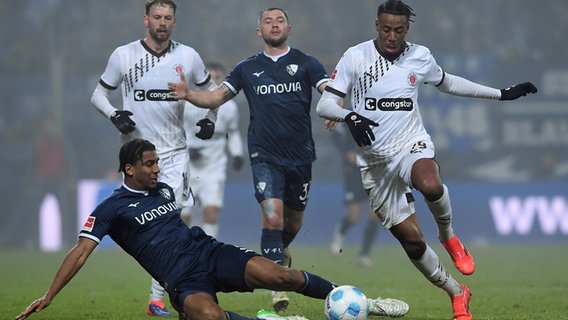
{"x":442,"y":211}
{"x":211,"y":229}
{"x":156,"y":291}
{"x":430,"y":266}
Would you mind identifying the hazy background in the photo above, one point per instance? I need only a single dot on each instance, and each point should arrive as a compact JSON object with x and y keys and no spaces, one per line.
{"x":54,"y":52}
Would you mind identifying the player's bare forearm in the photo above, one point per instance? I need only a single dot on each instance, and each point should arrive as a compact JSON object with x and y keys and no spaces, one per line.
{"x":211,"y":99}
{"x":72,"y":263}
{"x":201,"y":98}
{"x":226,"y":93}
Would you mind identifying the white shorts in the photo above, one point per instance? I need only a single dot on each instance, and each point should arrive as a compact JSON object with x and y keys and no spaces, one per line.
{"x":206,"y":192}
{"x":208,"y":176}
{"x":174,"y":170}
{"x":389,"y":183}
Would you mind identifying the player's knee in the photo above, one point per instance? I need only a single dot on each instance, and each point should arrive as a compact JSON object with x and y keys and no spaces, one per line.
{"x":208,"y":313}
{"x":432,"y":189}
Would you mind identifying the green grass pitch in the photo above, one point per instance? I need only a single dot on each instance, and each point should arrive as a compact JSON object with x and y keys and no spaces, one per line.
{"x":510,"y":282}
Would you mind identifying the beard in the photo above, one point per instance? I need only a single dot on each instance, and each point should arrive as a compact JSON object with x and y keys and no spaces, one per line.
{"x":275,"y":43}
{"x":159,"y":38}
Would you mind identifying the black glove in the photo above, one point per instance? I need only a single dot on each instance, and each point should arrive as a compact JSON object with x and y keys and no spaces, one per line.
{"x":237,"y":162}
{"x":207,"y":129}
{"x":122,"y":121}
{"x":360,"y":128}
{"x":194,"y":154}
{"x":516,"y":91}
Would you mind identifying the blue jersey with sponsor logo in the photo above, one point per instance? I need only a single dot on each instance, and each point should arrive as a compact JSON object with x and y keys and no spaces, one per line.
{"x":279,"y":94}
{"x":147,"y":225}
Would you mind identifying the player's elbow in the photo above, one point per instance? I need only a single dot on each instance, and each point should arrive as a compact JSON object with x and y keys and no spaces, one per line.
{"x":95,"y":97}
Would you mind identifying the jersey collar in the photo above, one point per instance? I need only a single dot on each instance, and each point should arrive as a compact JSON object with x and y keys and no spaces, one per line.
{"x":144,"y":192}
{"x":275,"y":58}
{"x":154,"y":53}
{"x":390,"y":58}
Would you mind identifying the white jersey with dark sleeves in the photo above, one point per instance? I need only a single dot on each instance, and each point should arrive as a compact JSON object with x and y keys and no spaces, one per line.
{"x":386,"y":92}
{"x":143,"y":76}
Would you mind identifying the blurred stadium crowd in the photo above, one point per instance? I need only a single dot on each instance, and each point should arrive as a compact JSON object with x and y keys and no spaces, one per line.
{"x":55,"y":51}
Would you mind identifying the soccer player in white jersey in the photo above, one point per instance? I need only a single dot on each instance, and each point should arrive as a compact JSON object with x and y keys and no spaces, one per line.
{"x":395,"y":152}
{"x":142,"y":68}
{"x":209,"y":158}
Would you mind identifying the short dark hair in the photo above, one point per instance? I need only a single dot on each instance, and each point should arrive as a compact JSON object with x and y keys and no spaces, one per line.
{"x":132,"y":151}
{"x":150,"y":3}
{"x":262,"y":12}
{"x":396,"y":7}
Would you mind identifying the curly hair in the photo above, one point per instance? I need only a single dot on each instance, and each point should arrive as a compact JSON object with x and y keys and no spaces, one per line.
{"x":133,"y":151}
{"x":396,"y":7}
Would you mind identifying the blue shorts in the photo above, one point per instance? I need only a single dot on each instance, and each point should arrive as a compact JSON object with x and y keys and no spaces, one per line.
{"x":227,"y":274}
{"x":289,"y":183}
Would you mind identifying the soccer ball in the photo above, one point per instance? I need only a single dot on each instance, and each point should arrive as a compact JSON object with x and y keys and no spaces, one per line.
{"x":346,"y":303}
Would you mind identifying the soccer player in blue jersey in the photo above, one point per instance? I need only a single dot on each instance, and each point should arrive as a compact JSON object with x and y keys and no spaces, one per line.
{"x":143,"y":219}
{"x":277,"y":83}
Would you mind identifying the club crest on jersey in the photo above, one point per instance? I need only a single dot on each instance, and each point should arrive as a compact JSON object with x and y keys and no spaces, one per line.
{"x":412,"y":79}
{"x":260,"y":187}
{"x":89,"y":224}
{"x":178,"y":69}
{"x":166,"y":193}
{"x":380,"y":216}
{"x":292,"y":69}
